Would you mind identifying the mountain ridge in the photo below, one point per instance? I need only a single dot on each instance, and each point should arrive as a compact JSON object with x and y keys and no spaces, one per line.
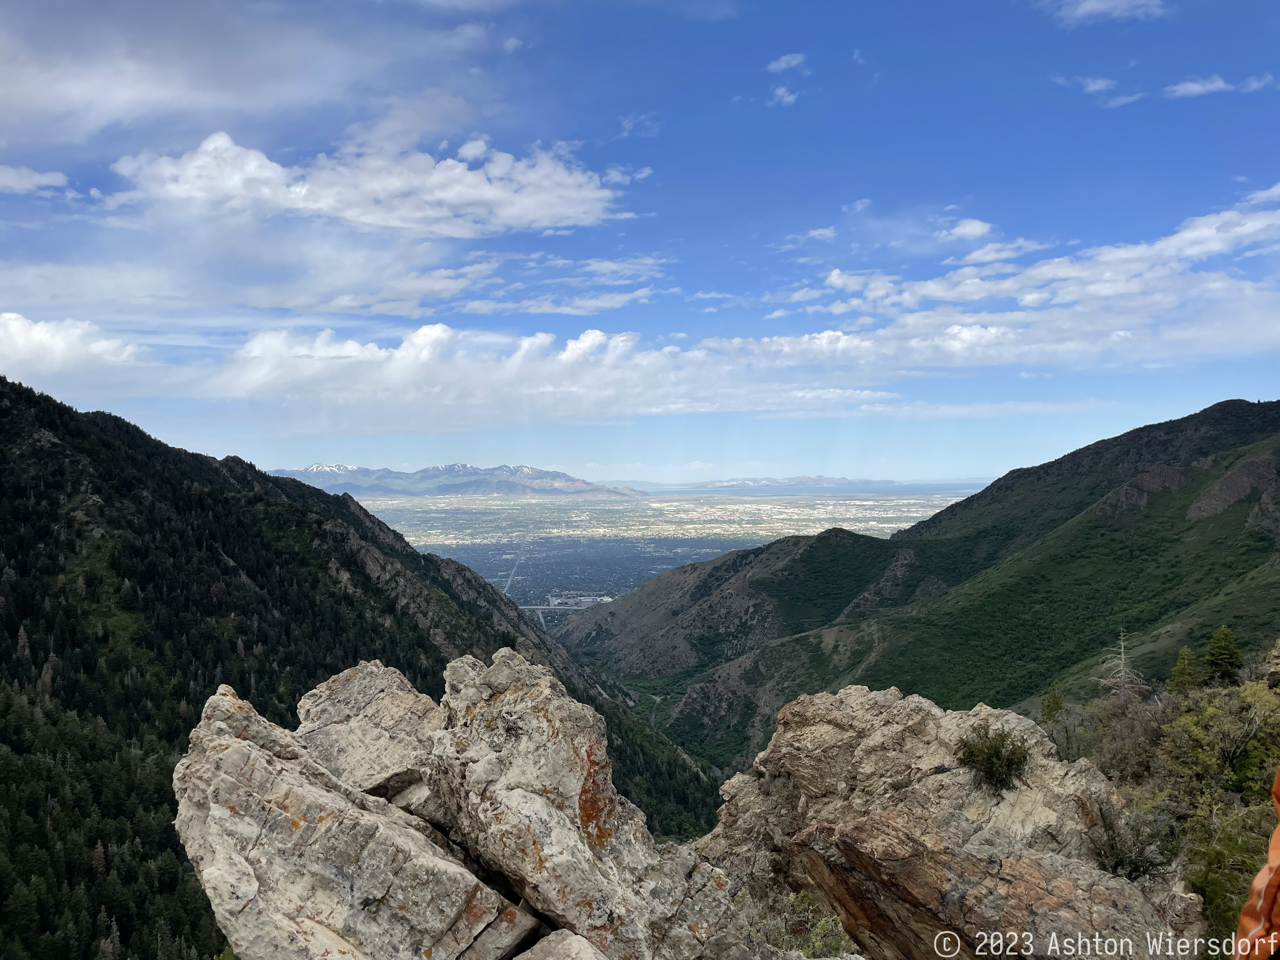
{"x":1029,"y":580}
{"x":449,"y":479}
{"x":135,"y":578}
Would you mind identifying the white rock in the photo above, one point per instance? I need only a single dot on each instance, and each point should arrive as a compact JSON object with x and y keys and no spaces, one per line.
{"x":299,"y":865}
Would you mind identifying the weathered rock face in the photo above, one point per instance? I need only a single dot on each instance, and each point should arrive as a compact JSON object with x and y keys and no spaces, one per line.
{"x":860,"y":796}
{"x":487,"y":827}
{"x":504,"y":787}
{"x":297,"y":864}
{"x":516,"y":773}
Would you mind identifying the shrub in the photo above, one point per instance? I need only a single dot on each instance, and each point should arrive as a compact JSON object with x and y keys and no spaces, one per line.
{"x":999,"y":757}
{"x":792,"y":921}
{"x":1134,"y":846}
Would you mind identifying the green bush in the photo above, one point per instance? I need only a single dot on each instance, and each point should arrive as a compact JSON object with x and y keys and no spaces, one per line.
{"x":792,"y":920}
{"x":999,"y":757}
{"x":1135,"y":845}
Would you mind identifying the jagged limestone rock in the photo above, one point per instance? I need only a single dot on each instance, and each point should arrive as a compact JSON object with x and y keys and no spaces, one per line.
{"x":298,"y":864}
{"x":368,"y":725}
{"x":517,"y":774}
{"x":502,"y":793}
{"x":562,"y":945}
{"x":860,"y":795}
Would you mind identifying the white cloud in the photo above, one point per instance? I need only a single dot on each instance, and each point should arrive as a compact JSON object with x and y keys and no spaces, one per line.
{"x":1096,"y":84}
{"x":24,"y":180}
{"x":512,"y":44}
{"x":371,"y":187}
{"x":1264,"y":196}
{"x":1112,"y":102}
{"x":1073,"y":12}
{"x":1172,"y":299}
{"x":968,"y":229}
{"x":44,"y":347}
{"x":787,"y":61}
{"x":70,"y":73}
{"x":619,"y":175}
{"x":782,"y":97}
{"x":1198,"y":87}
{"x":1003,"y":251}
{"x":583,"y":306}
{"x":1254,"y":84}
{"x":640,"y":125}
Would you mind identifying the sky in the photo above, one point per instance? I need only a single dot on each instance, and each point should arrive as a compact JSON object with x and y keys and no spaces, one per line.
{"x":642,"y":239}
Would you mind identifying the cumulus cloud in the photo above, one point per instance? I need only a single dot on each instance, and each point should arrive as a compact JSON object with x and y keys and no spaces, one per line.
{"x":782,"y":97}
{"x":1181,"y":297}
{"x":484,"y":192}
{"x":787,"y":61}
{"x":59,"y":346}
{"x":24,"y":180}
{"x":968,"y":229}
{"x":1073,"y":12}
{"x":1198,"y":87}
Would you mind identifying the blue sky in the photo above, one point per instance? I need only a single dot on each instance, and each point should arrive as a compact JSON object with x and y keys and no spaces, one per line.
{"x":663,"y":240}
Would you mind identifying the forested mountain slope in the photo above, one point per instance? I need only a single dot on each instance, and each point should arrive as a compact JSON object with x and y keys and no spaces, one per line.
{"x":134,"y":578}
{"x":1165,"y":533}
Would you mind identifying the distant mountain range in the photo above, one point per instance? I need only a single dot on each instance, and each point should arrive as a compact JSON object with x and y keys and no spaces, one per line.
{"x":464,"y":479}
{"x":450,"y":479}
{"x":800,"y":486}
{"x":1163,"y":534}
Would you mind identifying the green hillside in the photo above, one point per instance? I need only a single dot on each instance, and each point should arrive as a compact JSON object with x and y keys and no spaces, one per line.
{"x":1162,"y":534}
{"x":134,"y":578}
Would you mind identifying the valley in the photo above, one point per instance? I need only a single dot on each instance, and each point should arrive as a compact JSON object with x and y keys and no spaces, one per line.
{"x":1161,"y":535}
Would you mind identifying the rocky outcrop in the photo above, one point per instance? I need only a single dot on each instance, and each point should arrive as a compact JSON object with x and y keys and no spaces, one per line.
{"x":1270,"y":668}
{"x":487,"y":827}
{"x":860,"y":796}
{"x":502,"y":793}
{"x":297,"y":864}
{"x":1134,"y":494}
{"x":1243,"y":479}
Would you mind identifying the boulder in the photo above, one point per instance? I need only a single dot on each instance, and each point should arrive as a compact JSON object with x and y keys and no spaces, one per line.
{"x":516,"y":773}
{"x":298,"y":864}
{"x":860,"y":796}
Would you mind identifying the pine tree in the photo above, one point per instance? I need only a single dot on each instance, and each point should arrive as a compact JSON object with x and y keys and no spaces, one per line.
{"x":1183,"y":676}
{"x":1223,"y":660}
{"x":1052,"y":705}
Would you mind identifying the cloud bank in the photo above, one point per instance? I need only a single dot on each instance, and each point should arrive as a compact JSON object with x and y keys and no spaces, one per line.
{"x":1176,"y":299}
